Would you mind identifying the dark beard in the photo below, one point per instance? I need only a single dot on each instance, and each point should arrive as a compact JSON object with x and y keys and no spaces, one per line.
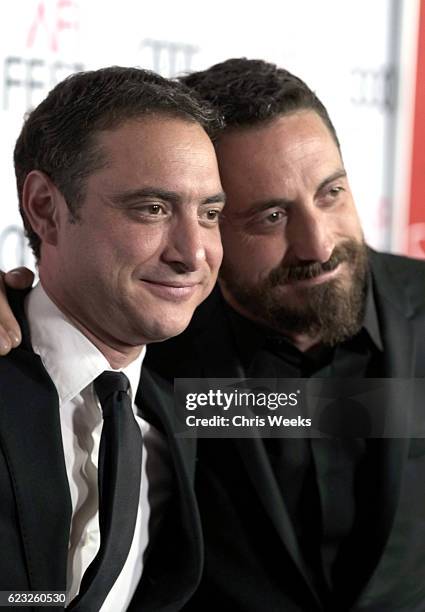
{"x":331,"y":310}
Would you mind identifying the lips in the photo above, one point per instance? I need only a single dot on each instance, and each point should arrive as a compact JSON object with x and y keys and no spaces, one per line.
{"x":316,"y":279}
{"x":166,"y":283}
{"x":171,"y":290}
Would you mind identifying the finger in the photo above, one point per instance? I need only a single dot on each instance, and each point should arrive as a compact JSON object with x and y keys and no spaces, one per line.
{"x":5,"y":343}
{"x":10,"y":333}
{"x":19,"y":278}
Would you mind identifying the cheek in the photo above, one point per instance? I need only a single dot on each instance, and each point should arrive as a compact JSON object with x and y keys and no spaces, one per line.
{"x":236,"y":242}
{"x":129,"y":246}
{"x":234,"y":252}
{"x":253,"y":257}
{"x":349,"y":226}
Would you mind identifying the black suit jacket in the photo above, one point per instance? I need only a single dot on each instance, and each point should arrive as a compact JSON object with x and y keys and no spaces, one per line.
{"x":35,"y":504}
{"x":253,"y":561}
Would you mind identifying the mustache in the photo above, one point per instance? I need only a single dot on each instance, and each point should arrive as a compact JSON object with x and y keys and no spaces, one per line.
{"x":345,"y":252}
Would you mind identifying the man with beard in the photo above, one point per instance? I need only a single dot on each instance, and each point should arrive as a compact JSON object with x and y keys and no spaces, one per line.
{"x":334,"y":523}
{"x":301,"y":524}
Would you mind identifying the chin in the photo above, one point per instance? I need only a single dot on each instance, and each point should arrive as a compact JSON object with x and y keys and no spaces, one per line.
{"x":167,"y":330}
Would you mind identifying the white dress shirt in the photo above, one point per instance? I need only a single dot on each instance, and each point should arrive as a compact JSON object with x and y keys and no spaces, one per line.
{"x":73,"y":363}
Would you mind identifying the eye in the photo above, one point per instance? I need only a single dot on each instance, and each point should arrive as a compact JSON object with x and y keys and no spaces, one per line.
{"x":275,"y":216}
{"x":332,"y":195}
{"x":154,"y":209}
{"x":266,"y":221}
{"x":269,"y":218}
{"x":334,"y":191}
{"x":151,"y":210}
{"x":210,"y":216}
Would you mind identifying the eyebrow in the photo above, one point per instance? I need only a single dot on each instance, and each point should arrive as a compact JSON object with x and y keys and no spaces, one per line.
{"x":127,"y":197}
{"x":283,"y":202}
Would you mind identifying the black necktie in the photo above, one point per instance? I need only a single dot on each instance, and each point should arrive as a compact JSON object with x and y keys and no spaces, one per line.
{"x":120,"y":461}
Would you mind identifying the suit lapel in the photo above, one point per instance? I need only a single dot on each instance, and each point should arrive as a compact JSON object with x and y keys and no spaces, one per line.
{"x":399,"y":355}
{"x":394,"y":314}
{"x":155,"y":399}
{"x":400,"y":359}
{"x":31,"y":437}
{"x":177,"y":555}
{"x":390,"y":454}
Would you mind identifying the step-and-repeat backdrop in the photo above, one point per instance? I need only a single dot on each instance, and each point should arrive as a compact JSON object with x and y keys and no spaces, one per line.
{"x":359,"y":56}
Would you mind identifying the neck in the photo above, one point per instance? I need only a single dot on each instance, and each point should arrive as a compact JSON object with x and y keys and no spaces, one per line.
{"x":118,"y":355}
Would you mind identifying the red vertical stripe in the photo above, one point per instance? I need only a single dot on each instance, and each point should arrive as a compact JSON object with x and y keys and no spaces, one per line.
{"x":416,"y":246}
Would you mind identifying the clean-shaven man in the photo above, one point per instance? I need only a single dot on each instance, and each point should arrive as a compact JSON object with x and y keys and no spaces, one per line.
{"x":120,"y":195}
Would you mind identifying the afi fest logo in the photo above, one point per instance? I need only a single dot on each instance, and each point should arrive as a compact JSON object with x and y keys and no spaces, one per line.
{"x":37,"y":60}
{"x":51,"y":37}
{"x":51,"y":21}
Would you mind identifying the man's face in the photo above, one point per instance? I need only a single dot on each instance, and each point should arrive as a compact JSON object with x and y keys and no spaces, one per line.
{"x":294,"y":256}
{"x":146,"y":248}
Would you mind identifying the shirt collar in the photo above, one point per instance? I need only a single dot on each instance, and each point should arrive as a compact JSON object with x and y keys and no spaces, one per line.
{"x":70,"y":358}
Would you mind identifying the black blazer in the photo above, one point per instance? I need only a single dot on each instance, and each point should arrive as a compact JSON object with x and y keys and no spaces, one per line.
{"x":253,"y":562}
{"x":35,"y":504}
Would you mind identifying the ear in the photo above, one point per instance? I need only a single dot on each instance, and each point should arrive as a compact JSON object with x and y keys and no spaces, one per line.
{"x":40,"y":202}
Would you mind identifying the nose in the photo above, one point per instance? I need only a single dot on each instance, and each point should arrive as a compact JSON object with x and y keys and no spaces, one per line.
{"x":310,"y":236}
{"x":185,"y":249}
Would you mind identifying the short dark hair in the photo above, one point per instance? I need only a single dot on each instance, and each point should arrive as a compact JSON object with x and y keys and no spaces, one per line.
{"x":249,"y":92}
{"x":58,"y":136}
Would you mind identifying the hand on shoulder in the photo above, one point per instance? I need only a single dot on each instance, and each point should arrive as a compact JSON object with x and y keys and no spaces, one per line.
{"x":10,"y":333}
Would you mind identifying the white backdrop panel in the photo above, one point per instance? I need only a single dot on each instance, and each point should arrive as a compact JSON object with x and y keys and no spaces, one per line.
{"x":342,"y":48}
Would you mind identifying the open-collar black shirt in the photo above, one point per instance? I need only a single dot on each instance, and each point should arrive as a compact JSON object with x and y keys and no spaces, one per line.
{"x":324,"y":482}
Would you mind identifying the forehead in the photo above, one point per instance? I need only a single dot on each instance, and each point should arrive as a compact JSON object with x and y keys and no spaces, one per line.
{"x":157,"y":150}
{"x":296,"y":146}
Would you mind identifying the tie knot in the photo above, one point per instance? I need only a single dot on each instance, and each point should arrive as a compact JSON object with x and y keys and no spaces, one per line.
{"x":108,"y":383}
